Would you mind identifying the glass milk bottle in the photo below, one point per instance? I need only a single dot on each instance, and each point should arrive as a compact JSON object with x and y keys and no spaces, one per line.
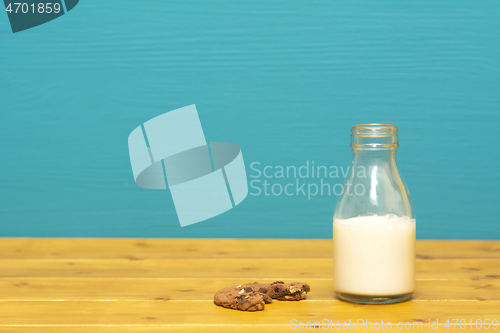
{"x":374,"y":223}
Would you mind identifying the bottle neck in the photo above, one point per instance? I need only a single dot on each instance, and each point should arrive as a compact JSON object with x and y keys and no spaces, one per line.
{"x":367,"y":156}
{"x":371,"y":160}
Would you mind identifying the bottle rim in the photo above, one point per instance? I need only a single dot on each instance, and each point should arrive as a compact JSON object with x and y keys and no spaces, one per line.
{"x":374,"y":130}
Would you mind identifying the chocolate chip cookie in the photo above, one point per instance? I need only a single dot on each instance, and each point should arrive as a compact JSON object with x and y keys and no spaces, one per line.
{"x":294,"y":291}
{"x":244,"y":297}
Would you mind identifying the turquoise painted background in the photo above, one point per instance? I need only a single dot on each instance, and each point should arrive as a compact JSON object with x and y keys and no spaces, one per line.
{"x":285,"y":80}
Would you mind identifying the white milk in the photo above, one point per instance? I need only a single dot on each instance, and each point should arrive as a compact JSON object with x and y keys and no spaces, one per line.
{"x":374,"y":255}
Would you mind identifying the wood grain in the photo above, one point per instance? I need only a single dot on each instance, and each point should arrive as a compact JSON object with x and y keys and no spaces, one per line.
{"x":264,"y":269}
{"x":154,"y":285}
{"x":179,"y":313}
{"x":202,"y":289}
{"x":112,"y":248}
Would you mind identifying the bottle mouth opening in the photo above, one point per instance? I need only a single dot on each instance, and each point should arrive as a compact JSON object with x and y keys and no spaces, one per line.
{"x":374,"y":136}
{"x":374,"y":130}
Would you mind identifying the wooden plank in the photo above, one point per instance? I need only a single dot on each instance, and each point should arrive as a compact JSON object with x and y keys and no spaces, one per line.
{"x":263,"y":269}
{"x":182,"y":313}
{"x":145,"y":289}
{"x":148,"y":329}
{"x":90,"y":248}
{"x":203,"y":329}
{"x":453,"y":249}
{"x":81,"y":248}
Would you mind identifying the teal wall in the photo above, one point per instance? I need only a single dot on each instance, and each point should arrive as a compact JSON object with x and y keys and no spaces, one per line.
{"x":285,"y":80}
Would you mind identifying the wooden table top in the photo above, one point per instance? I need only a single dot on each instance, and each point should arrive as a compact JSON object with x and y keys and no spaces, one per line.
{"x":158,"y":285}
